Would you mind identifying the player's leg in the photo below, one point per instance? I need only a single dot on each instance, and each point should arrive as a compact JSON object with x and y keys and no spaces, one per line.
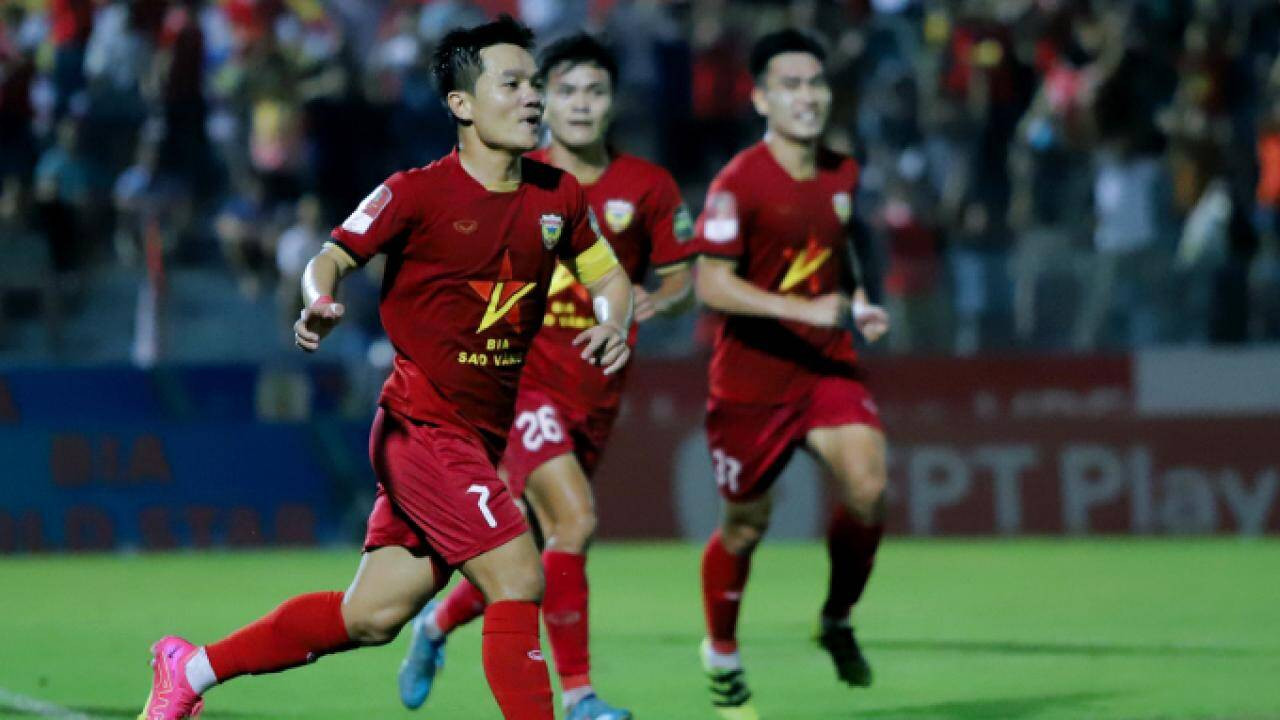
{"x":560,"y":496}
{"x":726,"y":564}
{"x":750,"y":445}
{"x":389,"y":587}
{"x":854,"y":454}
{"x":510,"y":576}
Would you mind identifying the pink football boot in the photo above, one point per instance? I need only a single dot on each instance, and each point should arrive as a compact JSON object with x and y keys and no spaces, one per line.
{"x":171,"y":695}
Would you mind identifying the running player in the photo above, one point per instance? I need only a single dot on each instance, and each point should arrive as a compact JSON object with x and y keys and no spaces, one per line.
{"x":563,"y":418}
{"x":774,"y":241}
{"x":471,"y":242}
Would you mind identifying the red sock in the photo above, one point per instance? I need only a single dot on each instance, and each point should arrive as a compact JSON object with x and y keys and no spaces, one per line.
{"x":851,"y":544}
{"x":724,"y":575}
{"x":296,"y":633}
{"x":513,"y":661}
{"x":462,"y":605}
{"x":564,"y":609}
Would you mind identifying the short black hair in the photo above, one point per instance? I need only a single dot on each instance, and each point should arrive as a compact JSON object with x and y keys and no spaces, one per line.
{"x":456,"y":63}
{"x":783,"y":41}
{"x":575,"y":50}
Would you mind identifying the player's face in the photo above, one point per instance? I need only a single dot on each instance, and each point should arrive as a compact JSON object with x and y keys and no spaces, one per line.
{"x":506,"y":106}
{"x":579,"y":104}
{"x":794,"y":96}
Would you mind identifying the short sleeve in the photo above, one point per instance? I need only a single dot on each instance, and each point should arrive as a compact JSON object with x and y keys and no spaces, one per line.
{"x":586,"y":253}
{"x":844,"y":201}
{"x":380,"y":218}
{"x":584,"y":231}
{"x":719,"y":229}
{"x":669,"y":224}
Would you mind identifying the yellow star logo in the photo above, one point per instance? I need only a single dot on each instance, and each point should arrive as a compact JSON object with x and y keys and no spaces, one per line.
{"x":803,"y":265}
{"x":503,"y":295}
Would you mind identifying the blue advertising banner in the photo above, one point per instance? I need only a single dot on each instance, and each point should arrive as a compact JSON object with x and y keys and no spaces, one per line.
{"x":156,"y":487}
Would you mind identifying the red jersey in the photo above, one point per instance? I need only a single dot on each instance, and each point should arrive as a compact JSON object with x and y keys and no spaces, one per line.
{"x":465,"y":284}
{"x":647,"y":225}
{"x":787,"y":236}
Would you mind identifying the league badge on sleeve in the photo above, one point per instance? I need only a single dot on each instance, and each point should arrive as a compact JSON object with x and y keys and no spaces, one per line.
{"x":843,"y":205}
{"x":682,"y":223}
{"x":721,"y":223}
{"x":552,"y":224}
{"x":362,"y":219}
{"x":618,"y":214}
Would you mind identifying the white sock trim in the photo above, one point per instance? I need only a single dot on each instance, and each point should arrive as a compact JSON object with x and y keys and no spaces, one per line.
{"x":431,"y":629}
{"x":200,"y":673}
{"x":721,"y":661}
{"x":576,"y":695}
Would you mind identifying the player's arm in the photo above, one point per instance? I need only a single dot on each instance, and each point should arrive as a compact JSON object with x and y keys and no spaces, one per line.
{"x":320,"y":312}
{"x":870,"y":319}
{"x":674,"y":295}
{"x":719,"y":288}
{"x":605,"y":344}
{"x":671,"y":230}
{"x":721,"y":244}
{"x":384,"y":215}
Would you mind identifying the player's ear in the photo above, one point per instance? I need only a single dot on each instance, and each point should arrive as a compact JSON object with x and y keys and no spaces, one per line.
{"x":759,"y":100}
{"x":460,"y":105}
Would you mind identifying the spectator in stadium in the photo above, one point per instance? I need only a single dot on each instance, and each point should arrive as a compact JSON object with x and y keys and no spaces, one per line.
{"x":1049,"y":167}
{"x":1265,"y":275}
{"x":1129,"y":270}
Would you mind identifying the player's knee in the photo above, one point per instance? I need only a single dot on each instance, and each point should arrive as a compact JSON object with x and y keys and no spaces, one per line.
{"x":516,"y":583}
{"x":866,"y":492}
{"x":573,"y":534}
{"x":376,"y":626}
{"x":740,"y":538}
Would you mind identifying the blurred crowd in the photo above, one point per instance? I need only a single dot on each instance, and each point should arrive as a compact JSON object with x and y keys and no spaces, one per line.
{"x":1036,"y":174}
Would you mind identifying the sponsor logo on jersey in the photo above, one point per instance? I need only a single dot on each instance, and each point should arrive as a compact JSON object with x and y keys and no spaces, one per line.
{"x":552,"y":224}
{"x":618,"y":214}
{"x":503,"y":296}
{"x":561,"y":279}
{"x":843,"y":205}
{"x":803,"y":265}
{"x":682,"y":223}
{"x":370,"y":208}
{"x":721,"y":224}
{"x":466,"y":227}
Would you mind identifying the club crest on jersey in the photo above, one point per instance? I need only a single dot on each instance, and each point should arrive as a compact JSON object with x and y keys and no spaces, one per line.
{"x":618,"y":214}
{"x":843,"y":205}
{"x":552,"y":224}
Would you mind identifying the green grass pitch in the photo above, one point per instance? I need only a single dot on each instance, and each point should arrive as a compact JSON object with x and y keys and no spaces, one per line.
{"x":1137,"y":629}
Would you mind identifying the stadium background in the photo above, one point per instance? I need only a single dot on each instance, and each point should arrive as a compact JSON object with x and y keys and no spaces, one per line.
{"x":1074,"y":207}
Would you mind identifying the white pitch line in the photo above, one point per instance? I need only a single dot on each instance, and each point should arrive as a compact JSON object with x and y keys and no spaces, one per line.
{"x":11,"y":699}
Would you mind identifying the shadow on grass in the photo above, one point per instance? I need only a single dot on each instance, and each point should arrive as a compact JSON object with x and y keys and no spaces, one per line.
{"x":984,"y":709}
{"x":1010,"y":647}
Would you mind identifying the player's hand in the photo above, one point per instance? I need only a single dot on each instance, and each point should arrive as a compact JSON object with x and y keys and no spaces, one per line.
{"x":316,"y":321}
{"x":827,"y":310}
{"x":871,"y":320}
{"x":604,"y":345}
{"x":642,"y":304}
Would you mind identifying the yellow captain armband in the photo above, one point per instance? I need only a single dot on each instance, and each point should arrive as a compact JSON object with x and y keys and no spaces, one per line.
{"x":594,"y":262}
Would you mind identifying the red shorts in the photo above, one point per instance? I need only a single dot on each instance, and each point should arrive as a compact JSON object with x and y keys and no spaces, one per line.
{"x":545,"y":429}
{"x":438,"y":492}
{"x":751,"y":444}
